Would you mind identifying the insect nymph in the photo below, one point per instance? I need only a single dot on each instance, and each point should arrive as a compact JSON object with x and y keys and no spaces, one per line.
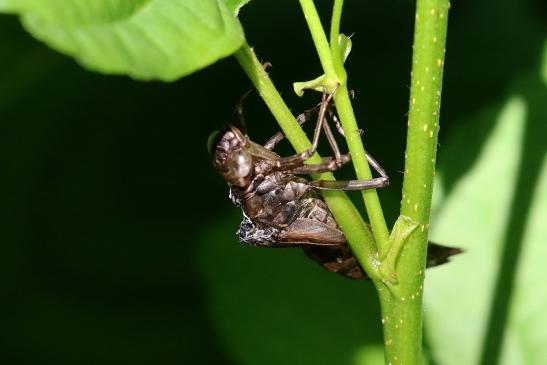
{"x":284,"y":210}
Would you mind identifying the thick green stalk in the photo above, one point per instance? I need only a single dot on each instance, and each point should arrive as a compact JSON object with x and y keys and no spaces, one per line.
{"x":402,"y":312}
{"x":357,"y":233}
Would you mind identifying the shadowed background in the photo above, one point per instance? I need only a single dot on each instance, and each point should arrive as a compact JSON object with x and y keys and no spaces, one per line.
{"x":118,"y":234}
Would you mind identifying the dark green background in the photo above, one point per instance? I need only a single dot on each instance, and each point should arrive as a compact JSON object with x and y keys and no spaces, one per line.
{"x":108,"y":187}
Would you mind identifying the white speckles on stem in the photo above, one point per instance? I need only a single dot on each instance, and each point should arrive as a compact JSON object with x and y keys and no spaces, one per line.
{"x":403,"y":299}
{"x":425,"y":128}
{"x":408,"y":201}
{"x":425,"y":186}
{"x":432,"y":12}
{"x":430,"y":134}
{"x":434,"y":39}
{"x":427,"y":69}
{"x":422,"y":227}
{"x":422,"y":88}
{"x":439,"y":62}
{"x":416,"y":207}
{"x":413,"y":101}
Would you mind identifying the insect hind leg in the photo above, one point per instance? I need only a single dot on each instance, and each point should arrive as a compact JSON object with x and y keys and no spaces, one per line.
{"x":349,"y":185}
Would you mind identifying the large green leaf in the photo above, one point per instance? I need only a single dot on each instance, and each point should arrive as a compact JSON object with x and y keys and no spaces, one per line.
{"x":497,"y":212}
{"x":146,"y":39}
{"x":235,"y":5}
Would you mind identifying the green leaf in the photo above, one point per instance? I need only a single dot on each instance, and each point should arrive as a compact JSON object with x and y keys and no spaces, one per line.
{"x":8,"y":5}
{"x":276,"y":306}
{"x":400,"y":234}
{"x":317,"y":84}
{"x":344,"y":45}
{"x":145,"y":39}
{"x":235,"y":5}
{"x":497,"y":213}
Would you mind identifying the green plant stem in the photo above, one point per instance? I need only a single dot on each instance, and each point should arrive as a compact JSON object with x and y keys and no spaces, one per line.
{"x":334,"y":33}
{"x":333,"y":59}
{"x":362,"y":168}
{"x":402,"y":313}
{"x":321,"y":43}
{"x":355,"y":229}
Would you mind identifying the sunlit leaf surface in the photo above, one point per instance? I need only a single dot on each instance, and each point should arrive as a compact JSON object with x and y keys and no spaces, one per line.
{"x":497,"y":213}
{"x":146,"y":39}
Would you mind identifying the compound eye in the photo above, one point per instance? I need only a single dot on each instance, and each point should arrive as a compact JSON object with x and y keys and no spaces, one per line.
{"x":239,"y":164}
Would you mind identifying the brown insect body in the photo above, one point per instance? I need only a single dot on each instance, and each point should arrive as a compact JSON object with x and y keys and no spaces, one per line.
{"x":284,"y":210}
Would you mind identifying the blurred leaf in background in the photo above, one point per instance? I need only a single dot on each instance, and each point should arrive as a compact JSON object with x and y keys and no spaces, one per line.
{"x":495,"y":212}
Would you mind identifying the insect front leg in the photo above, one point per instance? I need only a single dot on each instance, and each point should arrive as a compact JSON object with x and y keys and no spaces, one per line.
{"x":301,"y":119}
{"x":296,"y":160}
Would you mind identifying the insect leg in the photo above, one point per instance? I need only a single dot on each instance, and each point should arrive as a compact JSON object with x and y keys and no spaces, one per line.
{"x":329,"y":164}
{"x":332,"y":142}
{"x":239,"y":110}
{"x":301,"y":119}
{"x":304,"y":117}
{"x":375,"y":183}
{"x":291,"y":162}
{"x":338,"y":125}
